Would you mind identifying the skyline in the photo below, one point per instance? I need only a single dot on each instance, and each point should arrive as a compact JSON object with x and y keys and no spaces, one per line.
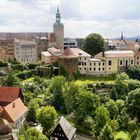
{"x":106,"y":17}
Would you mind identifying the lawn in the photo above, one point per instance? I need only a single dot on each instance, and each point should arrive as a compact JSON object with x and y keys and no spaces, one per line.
{"x":122,"y":136}
{"x":94,"y":79}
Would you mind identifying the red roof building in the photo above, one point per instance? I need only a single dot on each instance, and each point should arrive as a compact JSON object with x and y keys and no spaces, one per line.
{"x":9,"y":94}
{"x":15,"y":113}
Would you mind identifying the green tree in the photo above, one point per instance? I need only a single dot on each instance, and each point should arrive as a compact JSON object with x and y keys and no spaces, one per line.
{"x":32,"y":114}
{"x":87,"y":103}
{"x":47,"y":116}
{"x":106,"y":133}
{"x":10,"y":80}
{"x":93,"y":43}
{"x":33,"y":134}
{"x":112,"y":108}
{"x":101,"y":117}
{"x":71,"y":91}
{"x":134,"y":103}
{"x":56,"y":91}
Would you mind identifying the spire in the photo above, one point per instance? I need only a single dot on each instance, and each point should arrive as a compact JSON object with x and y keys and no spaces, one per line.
{"x":58,"y":17}
{"x":122,"y":38}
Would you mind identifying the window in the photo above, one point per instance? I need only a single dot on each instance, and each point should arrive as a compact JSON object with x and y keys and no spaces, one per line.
{"x":131,"y":62}
{"x":109,"y":63}
{"x":126,"y":62}
{"x":94,"y":69}
{"x":103,"y":69}
{"x":137,"y":57}
{"x":103,"y":63}
{"x":120,"y":62}
{"x":137,"y":63}
{"x":99,"y":69}
{"x":84,"y":68}
{"x":85,"y":58}
{"x":99,"y":64}
{"x":90,"y":68}
{"x":85,"y":63}
{"x":90,"y":64}
{"x":109,"y":68}
{"x":94,"y":64}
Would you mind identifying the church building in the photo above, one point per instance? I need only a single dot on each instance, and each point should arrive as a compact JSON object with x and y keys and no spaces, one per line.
{"x":58,"y":29}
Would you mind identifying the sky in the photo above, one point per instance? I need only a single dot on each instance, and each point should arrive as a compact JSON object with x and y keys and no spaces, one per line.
{"x":80,"y":17}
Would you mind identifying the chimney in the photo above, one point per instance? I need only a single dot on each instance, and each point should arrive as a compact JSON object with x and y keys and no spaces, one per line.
{"x":13,"y":105}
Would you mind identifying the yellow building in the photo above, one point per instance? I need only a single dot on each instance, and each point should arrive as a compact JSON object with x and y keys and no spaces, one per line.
{"x":116,"y":61}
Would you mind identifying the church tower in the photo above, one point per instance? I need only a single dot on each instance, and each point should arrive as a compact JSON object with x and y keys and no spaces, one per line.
{"x":58,"y":29}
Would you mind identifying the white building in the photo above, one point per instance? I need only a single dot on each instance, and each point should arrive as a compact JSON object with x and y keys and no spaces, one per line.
{"x":25,"y":51}
{"x":70,"y":43}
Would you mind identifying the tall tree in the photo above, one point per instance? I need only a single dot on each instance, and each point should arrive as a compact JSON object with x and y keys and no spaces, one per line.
{"x":93,"y":43}
{"x":46,"y":117}
{"x":134,"y":103}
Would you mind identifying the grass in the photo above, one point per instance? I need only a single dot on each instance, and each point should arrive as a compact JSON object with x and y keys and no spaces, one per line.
{"x":122,"y":136}
{"x":94,"y":79}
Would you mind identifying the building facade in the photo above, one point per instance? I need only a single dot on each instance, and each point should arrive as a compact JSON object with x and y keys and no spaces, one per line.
{"x":25,"y":51}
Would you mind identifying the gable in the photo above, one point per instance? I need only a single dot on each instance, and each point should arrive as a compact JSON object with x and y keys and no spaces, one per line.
{"x":59,"y":133}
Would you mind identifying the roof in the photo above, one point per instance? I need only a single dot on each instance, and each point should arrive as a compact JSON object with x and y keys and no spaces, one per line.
{"x":68,"y":129}
{"x":74,"y":52}
{"x":15,"y":109}
{"x":119,"y":54}
{"x":9,"y":94}
{"x":46,"y":53}
{"x":115,"y":54}
{"x":55,"y":51}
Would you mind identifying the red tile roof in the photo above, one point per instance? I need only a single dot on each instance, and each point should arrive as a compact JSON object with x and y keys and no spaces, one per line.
{"x":73,"y":52}
{"x":9,"y":94}
{"x":14,"y":110}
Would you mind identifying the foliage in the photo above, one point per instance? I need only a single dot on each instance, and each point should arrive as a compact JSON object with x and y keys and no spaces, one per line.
{"x":134,"y":72}
{"x":93,"y":43}
{"x":3,"y":64}
{"x":32,"y":134}
{"x":132,"y":126}
{"x":10,"y":80}
{"x":112,"y":108}
{"x":47,"y":116}
{"x":134,"y":103}
{"x":32,"y":114}
{"x":87,"y":102}
{"x":71,"y":91}
{"x":56,"y":92}
{"x":63,"y":71}
{"x":101,"y":118}
{"x":4,"y":129}
{"x":106,"y":133}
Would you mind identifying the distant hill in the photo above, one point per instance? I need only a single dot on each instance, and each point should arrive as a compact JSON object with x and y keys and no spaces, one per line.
{"x":129,"y":38}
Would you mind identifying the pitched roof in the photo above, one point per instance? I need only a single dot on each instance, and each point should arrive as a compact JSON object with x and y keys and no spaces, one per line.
{"x":9,"y":94}
{"x":46,"y":53}
{"x":74,"y":52}
{"x":68,"y":129}
{"x":15,"y":109}
{"x":115,"y":54}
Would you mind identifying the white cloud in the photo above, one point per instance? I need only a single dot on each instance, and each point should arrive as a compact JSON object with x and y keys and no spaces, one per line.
{"x":80,"y":17}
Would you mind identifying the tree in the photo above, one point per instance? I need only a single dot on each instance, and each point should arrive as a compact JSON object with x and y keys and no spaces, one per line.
{"x":32,"y":114}
{"x":134,"y":103}
{"x":112,"y":108}
{"x":101,"y":117}
{"x":47,"y":116}
{"x":71,"y":91}
{"x":10,"y":80}
{"x":106,"y":133}
{"x":87,"y":102}
{"x":93,"y":43}
{"x":32,"y":134}
{"x":57,"y":93}
{"x":114,"y":94}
